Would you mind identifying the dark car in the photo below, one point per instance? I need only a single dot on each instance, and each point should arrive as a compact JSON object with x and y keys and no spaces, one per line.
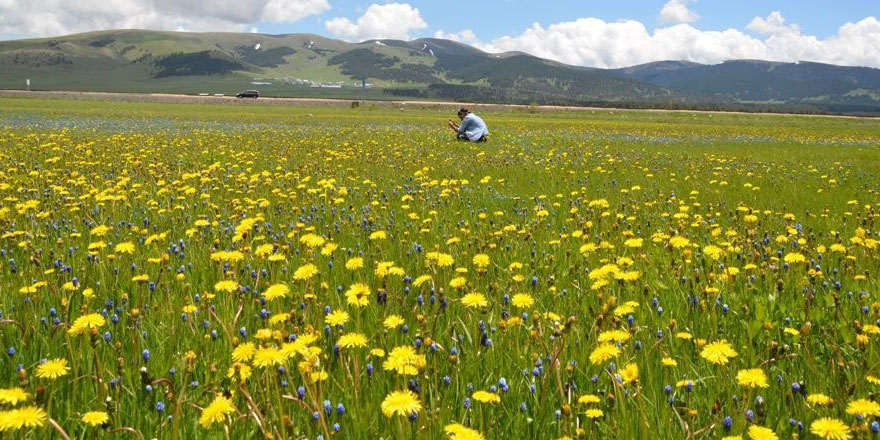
{"x":248,"y":94}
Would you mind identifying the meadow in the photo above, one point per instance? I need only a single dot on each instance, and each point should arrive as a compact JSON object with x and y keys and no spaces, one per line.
{"x":179,"y":271}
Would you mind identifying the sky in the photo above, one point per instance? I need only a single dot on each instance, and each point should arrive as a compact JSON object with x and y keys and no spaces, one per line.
{"x":593,"y":33}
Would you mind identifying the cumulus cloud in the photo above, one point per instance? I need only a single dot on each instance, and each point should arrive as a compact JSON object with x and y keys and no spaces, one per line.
{"x":390,"y":20}
{"x":598,"y":43}
{"x":466,"y":36}
{"x":677,"y":11}
{"x":40,"y":18}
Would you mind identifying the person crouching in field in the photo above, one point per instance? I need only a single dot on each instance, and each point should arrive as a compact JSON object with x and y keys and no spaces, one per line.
{"x":472,"y":127}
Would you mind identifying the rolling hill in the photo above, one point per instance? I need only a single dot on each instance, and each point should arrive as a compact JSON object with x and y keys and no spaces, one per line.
{"x":427,"y":68}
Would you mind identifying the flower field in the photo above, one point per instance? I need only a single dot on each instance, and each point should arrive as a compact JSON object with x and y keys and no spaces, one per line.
{"x":182,"y":271}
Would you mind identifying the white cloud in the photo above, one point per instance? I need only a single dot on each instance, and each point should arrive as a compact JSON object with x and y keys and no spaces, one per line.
{"x":40,"y":18}
{"x":390,"y":20}
{"x":772,"y":24}
{"x":466,"y":36}
{"x":597,"y":43}
{"x":281,"y":11}
{"x":677,"y":11}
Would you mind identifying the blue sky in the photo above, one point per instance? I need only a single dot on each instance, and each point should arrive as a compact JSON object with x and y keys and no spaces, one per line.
{"x":608,"y":33}
{"x":491,"y":19}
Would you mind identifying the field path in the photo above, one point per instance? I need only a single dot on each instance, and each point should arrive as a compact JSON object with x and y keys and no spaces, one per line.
{"x":335,"y":102}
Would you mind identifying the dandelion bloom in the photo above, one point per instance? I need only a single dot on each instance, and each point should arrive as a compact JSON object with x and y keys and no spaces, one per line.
{"x":53,"y":369}
{"x":718,"y":352}
{"x":819,"y":399}
{"x":264,"y":250}
{"x":626,"y":308}
{"x":486,"y":397}
{"x":594,"y":413}
{"x":99,"y":231}
{"x":457,"y":282}
{"x":630,"y":373}
{"x":404,"y":403}
{"x":276,"y":291}
{"x":522,"y":301}
{"x":305,"y":272}
{"x":588,"y":399}
{"x":440,"y":259}
{"x":27,"y":417}
{"x":481,"y":261}
{"x":473,"y":300}
{"x":95,"y":418}
{"x":603,"y":353}
{"x":679,"y":242}
{"x":456,"y":431}
{"x":338,"y":317}
{"x":124,"y":248}
{"x":794,"y":257}
{"x":268,"y":356}
{"x":354,"y":263}
{"x":216,"y":412}
{"x":227,"y":286}
{"x":863,"y":407}
{"x":244,"y":352}
{"x":312,"y":240}
{"x":421,"y":280}
{"x":393,"y":321}
{"x":761,"y":433}
{"x":358,"y":295}
{"x":86,"y":322}
{"x":633,"y":242}
{"x":830,"y":429}
{"x":379,"y":235}
{"x":614,"y":336}
{"x":752,"y":378}
{"x":404,"y":360}
{"x":352,"y":340}
{"x":13,"y":396}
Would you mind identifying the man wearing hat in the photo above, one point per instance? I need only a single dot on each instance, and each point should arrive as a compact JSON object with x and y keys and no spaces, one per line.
{"x":472,"y":127}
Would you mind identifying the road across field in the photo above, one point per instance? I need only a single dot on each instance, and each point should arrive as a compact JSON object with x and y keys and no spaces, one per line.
{"x":334,"y":102}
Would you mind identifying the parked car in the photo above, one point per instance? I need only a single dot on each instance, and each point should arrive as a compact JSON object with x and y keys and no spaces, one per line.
{"x":248,"y":94}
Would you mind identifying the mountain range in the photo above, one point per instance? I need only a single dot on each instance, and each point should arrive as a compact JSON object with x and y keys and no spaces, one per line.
{"x":427,"y":68}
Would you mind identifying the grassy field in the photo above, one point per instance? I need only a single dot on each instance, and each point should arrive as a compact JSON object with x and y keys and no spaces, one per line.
{"x":182,"y":271}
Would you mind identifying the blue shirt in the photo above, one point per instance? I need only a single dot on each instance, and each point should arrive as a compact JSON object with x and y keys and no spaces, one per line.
{"x":473,"y":127}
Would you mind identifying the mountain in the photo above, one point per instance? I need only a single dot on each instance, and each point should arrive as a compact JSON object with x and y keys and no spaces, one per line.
{"x":426,"y":68}
{"x":764,"y":81}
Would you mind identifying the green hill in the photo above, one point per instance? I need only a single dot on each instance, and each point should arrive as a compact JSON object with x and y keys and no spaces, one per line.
{"x":427,"y":68}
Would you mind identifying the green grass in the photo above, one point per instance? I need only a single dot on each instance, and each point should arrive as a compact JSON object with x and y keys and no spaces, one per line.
{"x":533,"y":200}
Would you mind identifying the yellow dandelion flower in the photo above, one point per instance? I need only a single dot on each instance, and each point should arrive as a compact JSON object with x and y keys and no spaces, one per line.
{"x":752,"y":378}
{"x":603,"y":353}
{"x":216,"y":411}
{"x":358,"y":295}
{"x":13,"y":396}
{"x":718,"y":352}
{"x":86,"y":322}
{"x":830,"y":429}
{"x":761,"y":433}
{"x":863,"y":407}
{"x":27,"y":417}
{"x":95,"y":418}
{"x":522,"y":301}
{"x":53,"y":369}
{"x":276,"y":291}
{"x":337,"y":317}
{"x":486,"y":397}
{"x":352,"y":340}
{"x":404,"y":403}
{"x":305,"y":272}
